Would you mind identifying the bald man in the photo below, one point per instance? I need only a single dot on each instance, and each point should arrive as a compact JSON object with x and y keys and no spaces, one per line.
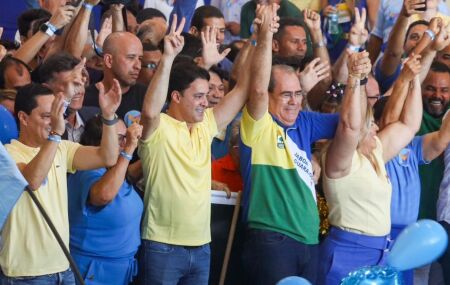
{"x":122,"y":55}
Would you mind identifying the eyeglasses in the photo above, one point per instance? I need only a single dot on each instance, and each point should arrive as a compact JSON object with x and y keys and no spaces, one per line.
{"x":149,"y":65}
{"x":288,"y":95}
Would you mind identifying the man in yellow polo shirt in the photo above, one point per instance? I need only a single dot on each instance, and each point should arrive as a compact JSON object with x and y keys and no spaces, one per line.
{"x":30,"y":253}
{"x":176,"y":156}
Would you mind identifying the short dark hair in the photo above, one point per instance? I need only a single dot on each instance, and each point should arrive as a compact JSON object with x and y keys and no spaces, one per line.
{"x":223,"y":74}
{"x":439,"y":67}
{"x":183,"y":74}
{"x":92,"y":134}
{"x":149,"y":13}
{"x":288,"y":21}
{"x":192,"y":46}
{"x":202,"y":13}
{"x":59,"y":62}
{"x":7,"y":62}
{"x":413,"y":24}
{"x":26,"y":97}
{"x":147,"y":46}
{"x":27,"y":18}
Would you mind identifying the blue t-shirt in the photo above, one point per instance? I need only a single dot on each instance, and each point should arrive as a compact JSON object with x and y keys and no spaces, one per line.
{"x":111,"y":231}
{"x":403,"y":171}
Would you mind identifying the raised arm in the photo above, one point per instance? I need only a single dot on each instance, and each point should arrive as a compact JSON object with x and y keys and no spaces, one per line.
{"x":436,"y":142}
{"x":36,"y":171}
{"x":261,"y":66}
{"x":89,"y":157}
{"x":357,"y":37}
{"x":210,"y":53}
{"x":118,"y":24}
{"x":158,"y":88}
{"x":397,"y":135}
{"x":394,"y":50}
{"x":77,"y":36}
{"x":394,"y":105}
{"x":441,"y":41}
{"x":30,"y":48}
{"x":340,"y":152}
{"x":107,"y":187}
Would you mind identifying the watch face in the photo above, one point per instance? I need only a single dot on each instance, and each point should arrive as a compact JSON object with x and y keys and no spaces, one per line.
{"x":43,"y":28}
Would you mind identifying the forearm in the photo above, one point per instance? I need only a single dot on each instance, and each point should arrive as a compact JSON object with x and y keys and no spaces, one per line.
{"x":320,"y":50}
{"x":340,"y":69}
{"x":434,"y":144}
{"x":77,"y":36}
{"x":157,"y":91}
{"x":374,"y":48}
{"x":106,"y":189}
{"x":394,"y":50}
{"x":427,"y":59}
{"x":372,"y":9}
{"x":412,"y":111}
{"x":36,"y":171}
{"x":109,"y":147}
{"x":30,"y":48}
{"x":352,"y":110}
{"x":118,"y":24}
{"x":394,"y":105}
{"x":134,"y":171}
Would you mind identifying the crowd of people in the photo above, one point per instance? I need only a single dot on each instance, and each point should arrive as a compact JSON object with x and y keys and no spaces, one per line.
{"x":328,"y":116}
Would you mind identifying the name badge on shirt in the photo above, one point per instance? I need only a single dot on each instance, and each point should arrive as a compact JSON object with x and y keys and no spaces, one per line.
{"x":302,"y":165}
{"x":403,"y":156}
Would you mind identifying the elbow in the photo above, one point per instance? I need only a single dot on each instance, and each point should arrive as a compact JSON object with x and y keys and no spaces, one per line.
{"x":101,"y":198}
{"x":110,"y":160}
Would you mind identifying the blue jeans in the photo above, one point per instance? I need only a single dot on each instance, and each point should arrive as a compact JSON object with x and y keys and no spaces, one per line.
{"x":60,"y":278}
{"x":270,"y":256}
{"x":161,"y":263}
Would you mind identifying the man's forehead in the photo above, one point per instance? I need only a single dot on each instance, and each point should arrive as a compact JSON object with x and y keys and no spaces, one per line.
{"x":295,"y":31}
{"x":214,"y":21}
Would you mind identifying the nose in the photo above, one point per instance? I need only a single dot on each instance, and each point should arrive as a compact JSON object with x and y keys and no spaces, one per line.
{"x":204,"y":102}
{"x":137,"y":64}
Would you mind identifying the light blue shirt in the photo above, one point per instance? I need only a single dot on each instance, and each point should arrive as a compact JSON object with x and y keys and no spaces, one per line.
{"x":403,"y":172}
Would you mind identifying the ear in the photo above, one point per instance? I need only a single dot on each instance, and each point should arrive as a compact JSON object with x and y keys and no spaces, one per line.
{"x":22,"y":116}
{"x":193,"y":31}
{"x":175,"y":96}
{"x":108,"y":60}
{"x":275,"y":46}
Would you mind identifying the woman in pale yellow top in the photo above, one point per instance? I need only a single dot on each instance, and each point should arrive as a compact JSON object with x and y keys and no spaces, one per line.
{"x":355,"y":183}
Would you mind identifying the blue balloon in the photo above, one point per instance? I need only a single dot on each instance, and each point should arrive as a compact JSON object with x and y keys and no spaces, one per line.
{"x":373,"y":275}
{"x":293,"y":280}
{"x":419,"y":244}
{"x":8,"y":126}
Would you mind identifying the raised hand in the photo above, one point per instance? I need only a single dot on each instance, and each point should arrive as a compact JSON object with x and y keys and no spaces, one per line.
{"x":411,"y":68}
{"x":411,"y":7}
{"x":116,"y":7}
{"x":266,"y":18}
{"x":134,"y":133}
{"x":358,"y":34}
{"x":210,"y":52}
{"x":109,"y":101}
{"x":174,"y":41}
{"x":312,"y":20}
{"x":359,"y":64}
{"x":57,"y":123}
{"x":62,"y":16}
{"x":313,"y":73}
{"x":442,"y":39}
{"x":105,"y":31}
{"x":328,"y":10}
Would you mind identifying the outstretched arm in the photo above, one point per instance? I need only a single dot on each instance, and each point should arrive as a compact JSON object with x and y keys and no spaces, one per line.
{"x":397,"y":135}
{"x":258,"y":101}
{"x":158,"y":88}
{"x":394,"y":105}
{"x":436,"y":142}
{"x":340,"y":153}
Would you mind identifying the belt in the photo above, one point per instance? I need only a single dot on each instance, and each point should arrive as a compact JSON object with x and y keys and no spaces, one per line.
{"x":376,"y":242}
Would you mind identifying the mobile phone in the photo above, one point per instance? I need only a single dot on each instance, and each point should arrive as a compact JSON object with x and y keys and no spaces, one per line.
{"x":423,"y":8}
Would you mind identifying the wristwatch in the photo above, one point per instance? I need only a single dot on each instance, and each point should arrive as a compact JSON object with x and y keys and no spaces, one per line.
{"x":48,"y":28}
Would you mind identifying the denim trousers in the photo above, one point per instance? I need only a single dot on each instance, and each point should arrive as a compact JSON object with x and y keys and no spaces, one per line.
{"x":167,"y":264}
{"x":60,"y":278}
{"x":270,"y":256}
